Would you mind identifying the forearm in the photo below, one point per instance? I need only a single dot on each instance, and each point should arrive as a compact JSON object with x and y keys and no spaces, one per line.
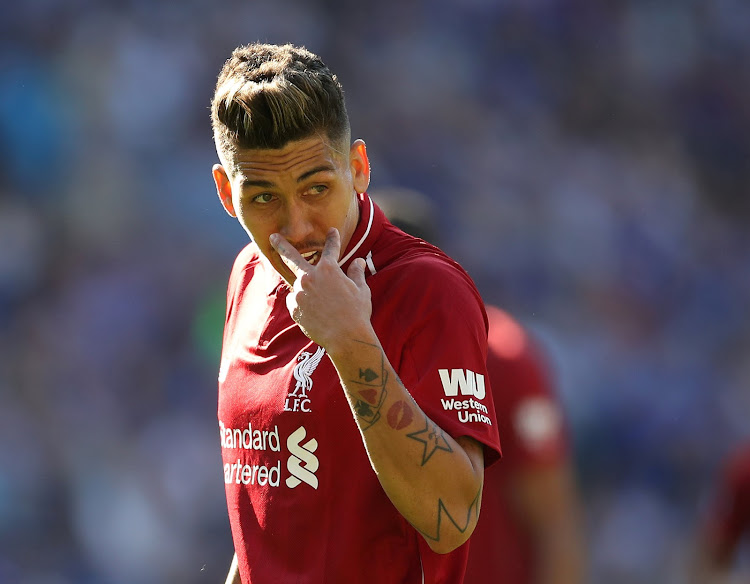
{"x":560,"y":556}
{"x":546,"y":502}
{"x":433,"y":480}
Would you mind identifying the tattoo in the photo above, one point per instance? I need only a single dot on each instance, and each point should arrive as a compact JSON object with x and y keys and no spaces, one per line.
{"x":368,"y":389}
{"x":368,"y":375}
{"x":400,"y":415}
{"x":368,"y":412}
{"x":443,"y":511}
{"x":433,"y":438}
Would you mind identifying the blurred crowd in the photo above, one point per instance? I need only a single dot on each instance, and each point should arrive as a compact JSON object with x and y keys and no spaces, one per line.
{"x":590,"y":163}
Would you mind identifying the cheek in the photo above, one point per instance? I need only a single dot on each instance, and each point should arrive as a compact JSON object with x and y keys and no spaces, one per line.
{"x":349,"y":222}
{"x":250,"y":226}
{"x":341,"y":217}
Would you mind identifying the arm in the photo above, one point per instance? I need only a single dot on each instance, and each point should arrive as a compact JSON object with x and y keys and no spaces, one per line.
{"x":233,"y":577}
{"x":546,"y":503}
{"x":434,"y":481}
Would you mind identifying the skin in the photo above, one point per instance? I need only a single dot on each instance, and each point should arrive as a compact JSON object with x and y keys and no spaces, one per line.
{"x":299,"y":192}
{"x":302,"y":198}
{"x":546,"y":502}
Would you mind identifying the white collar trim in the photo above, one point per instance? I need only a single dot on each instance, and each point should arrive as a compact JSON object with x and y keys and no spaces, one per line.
{"x":348,"y":256}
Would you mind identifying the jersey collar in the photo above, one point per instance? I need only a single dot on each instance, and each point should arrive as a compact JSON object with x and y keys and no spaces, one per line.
{"x":272,"y":280}
{"x":368,"y":229}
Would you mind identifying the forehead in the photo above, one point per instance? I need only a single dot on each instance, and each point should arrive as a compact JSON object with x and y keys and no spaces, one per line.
{"x":295,"y":158}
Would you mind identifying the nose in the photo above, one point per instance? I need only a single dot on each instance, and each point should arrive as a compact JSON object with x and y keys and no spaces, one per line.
{"x":296,"y":226}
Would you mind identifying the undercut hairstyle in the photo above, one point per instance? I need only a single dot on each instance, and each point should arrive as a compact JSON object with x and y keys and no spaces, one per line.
{"x":269,"y":95}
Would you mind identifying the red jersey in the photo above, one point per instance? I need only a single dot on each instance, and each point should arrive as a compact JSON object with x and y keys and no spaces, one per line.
{"x":531,"y":430}
{"x":305,"y":506}
{"x":730,"y":513}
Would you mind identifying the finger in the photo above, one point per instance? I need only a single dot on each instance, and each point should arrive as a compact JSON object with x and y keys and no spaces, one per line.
{"x":289,"y":255}
{"x":332,"y":246}
{"x":356,"y":272}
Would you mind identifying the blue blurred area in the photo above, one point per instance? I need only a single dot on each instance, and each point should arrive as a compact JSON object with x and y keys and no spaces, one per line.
{"x":591,"y":166}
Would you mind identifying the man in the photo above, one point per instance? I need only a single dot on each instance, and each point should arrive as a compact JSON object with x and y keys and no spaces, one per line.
{"x":530,"y":529}
{"x":354,"y":410}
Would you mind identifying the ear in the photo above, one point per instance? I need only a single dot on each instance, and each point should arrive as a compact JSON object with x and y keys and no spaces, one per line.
{"x":359,"y":165}
{"x":223,"y":188}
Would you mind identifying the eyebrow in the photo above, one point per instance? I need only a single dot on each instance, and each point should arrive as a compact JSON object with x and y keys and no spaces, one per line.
{"x":267,"y":184}
{"x":317,"y":169}
{"x":264,"y":184}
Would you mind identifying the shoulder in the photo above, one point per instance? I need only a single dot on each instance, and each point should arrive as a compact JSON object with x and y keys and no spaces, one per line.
{"x":507,"y":337}
{"x":248,"y":255}
{"x":513,"y":350}
{"x":522,"y":375}
{"x":420,"y":296}
{"x":244,"y":265}
{"x":530,"y":415}
{"x":411,"y":266}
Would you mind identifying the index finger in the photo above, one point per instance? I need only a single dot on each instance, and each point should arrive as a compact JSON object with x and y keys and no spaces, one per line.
{"x":289,"y":255}
{"x":332,"y":246}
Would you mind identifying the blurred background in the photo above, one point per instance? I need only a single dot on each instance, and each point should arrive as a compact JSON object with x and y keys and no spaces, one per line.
{"x":590,"y":163}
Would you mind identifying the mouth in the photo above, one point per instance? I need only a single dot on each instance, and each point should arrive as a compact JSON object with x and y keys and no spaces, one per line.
{"x":311,"y":256}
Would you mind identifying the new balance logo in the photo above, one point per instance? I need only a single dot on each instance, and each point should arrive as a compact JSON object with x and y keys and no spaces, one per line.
{"x":463,"y":380}
{"x":302,"y":463}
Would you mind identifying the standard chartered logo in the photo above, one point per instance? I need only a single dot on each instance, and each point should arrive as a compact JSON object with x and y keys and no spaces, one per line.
{"x":302,"y":463}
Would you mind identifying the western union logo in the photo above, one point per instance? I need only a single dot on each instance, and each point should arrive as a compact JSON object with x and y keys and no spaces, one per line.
{"x":464,"y":381}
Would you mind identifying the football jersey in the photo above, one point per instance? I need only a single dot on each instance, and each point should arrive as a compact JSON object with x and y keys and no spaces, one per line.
{"x":304,"y":503}
{"x":531,"y":428}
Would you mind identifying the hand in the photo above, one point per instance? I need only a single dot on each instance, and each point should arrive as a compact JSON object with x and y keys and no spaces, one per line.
{"x":331,"y":307}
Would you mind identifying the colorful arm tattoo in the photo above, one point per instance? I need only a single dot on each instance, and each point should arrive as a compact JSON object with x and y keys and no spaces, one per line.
{"x":369,"y":388}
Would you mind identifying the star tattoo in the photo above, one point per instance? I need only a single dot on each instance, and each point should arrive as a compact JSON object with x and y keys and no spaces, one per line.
{"x":433,"y":439}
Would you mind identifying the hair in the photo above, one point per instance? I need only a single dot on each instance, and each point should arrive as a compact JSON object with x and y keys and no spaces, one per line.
{"x":269,"y":95}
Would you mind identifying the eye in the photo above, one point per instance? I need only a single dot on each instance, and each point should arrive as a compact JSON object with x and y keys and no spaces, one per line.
{"x":317,"y":189}
{"x":263,"y":198}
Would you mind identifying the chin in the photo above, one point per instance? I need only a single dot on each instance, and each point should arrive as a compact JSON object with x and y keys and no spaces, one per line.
{"x":286,"y":274}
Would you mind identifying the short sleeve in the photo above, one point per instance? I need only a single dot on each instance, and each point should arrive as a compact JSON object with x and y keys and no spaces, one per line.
{"x":440,"y":354}
{"x":531,"y":421}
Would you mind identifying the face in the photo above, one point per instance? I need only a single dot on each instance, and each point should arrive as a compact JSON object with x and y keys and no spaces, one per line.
{"x":299,"y":191}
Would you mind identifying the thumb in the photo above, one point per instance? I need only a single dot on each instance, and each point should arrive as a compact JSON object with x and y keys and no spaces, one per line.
{"x":356,"y":272}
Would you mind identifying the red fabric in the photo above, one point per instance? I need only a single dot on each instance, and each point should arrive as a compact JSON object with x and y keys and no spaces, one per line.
{"x":532,"y":435}
{"x":730,"y":513}
{"x":317,"y":513}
